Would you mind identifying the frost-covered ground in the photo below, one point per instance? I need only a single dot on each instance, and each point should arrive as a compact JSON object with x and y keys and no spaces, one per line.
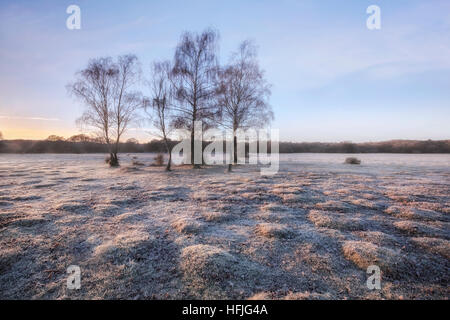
{"x":308,"y":232}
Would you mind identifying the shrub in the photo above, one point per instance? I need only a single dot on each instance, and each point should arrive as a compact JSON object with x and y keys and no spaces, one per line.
{"x":352,"y":160}
{"x":159,"y":159}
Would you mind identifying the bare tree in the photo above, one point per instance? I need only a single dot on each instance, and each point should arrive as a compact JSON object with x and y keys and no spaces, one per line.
{"x":244,"y":93}
{"x":106,"y":89}
{"x":159,"y":108}
{"x":194,"y":77}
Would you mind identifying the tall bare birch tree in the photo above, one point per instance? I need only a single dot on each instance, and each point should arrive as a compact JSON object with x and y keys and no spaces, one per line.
{"x":159,"y":107}
{"x":194,"y":77}
{"x":244,"y":93}
{"x":106,"y":88}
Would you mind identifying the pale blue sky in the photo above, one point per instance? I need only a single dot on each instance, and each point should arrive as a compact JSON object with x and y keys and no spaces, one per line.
{"x":333,"y":79}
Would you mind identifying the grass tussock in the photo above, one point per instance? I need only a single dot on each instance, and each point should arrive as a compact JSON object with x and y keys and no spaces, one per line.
{"x":434,"y":245}
{"x":158,"y":160}
{"x":413,"y":213}
{"x":416,"y":228}
{"x":273,"y":207}
{"x":307,"y":296}
{"x":293,"y":198}
{"x":352,"y":160}
{"x":273,"y":230}
{"x":333,"y":220}
{"x":334,"y":205}
{"x":377,"y":237}
{"x":187,"y":225}
{"x":364,"y":254}
{"x":215,"y":272}
{"x":213,"y":216}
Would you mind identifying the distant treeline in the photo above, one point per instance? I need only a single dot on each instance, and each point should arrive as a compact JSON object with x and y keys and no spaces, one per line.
{"x":394,"y":146}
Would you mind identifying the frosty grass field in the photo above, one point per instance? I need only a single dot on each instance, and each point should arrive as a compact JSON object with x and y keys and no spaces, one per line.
{"x":309,"y":232}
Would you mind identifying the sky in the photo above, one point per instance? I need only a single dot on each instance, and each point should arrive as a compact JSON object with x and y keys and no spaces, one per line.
{"x":332,"y":78}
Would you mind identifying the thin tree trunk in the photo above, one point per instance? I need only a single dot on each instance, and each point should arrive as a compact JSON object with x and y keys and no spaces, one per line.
{"x":235,"y":148}
{"x":170,"y":156}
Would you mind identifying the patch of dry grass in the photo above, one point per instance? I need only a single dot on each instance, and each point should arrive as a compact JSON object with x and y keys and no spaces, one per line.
{"x":293,"y":198}
{"x":262,"y":296}
{"x":364,"y":254}
{"x":333,"y":220}
{"x":414,"y":213}
{"x":214,"y":216}
{"x":187,"y":225}
{"x":417,"y":228}
{"x":274,"y":207}
{"x":214,"y":272}
{"x":334,"y":205}
{"x":434,"y":245}
{"x":273,"y":230}
{"x":308,"y":296}
{"x":378,"y":238}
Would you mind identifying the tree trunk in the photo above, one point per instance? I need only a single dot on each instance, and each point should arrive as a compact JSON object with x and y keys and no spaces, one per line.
{"x":170,"y":157}
{"x":194,"y":165}
{"x":113,"y":159}
{"x":235,"y":148}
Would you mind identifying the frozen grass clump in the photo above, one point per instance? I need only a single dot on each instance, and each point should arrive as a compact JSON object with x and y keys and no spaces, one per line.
{"x":213,"y":216}
{"x":215,"y":272}
{"x":125,"y":247}
{"x":136,"y":162}
{"x":275,"y":213}
{"x":334,"y":205}
{"x":367,"y":204}
{"x":417,"y":228}
{"x":273,"y":230}
{"x":307,"y":296}
{"x":352,"y":160}
{"x":434,"y":245}
{"x":261,"y":296}
{"x":293,"y":198}
{"x":378,"y":238}
{"x":328,"y":219}
{"x":273,"y":207}
{"x":364,"y":254}
{"x":187,"y":225}
{"x":285,"y":189}
{"x":414,"y":213}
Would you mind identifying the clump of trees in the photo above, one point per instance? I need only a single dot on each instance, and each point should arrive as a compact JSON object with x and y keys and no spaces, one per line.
{"x":192,"y":87}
